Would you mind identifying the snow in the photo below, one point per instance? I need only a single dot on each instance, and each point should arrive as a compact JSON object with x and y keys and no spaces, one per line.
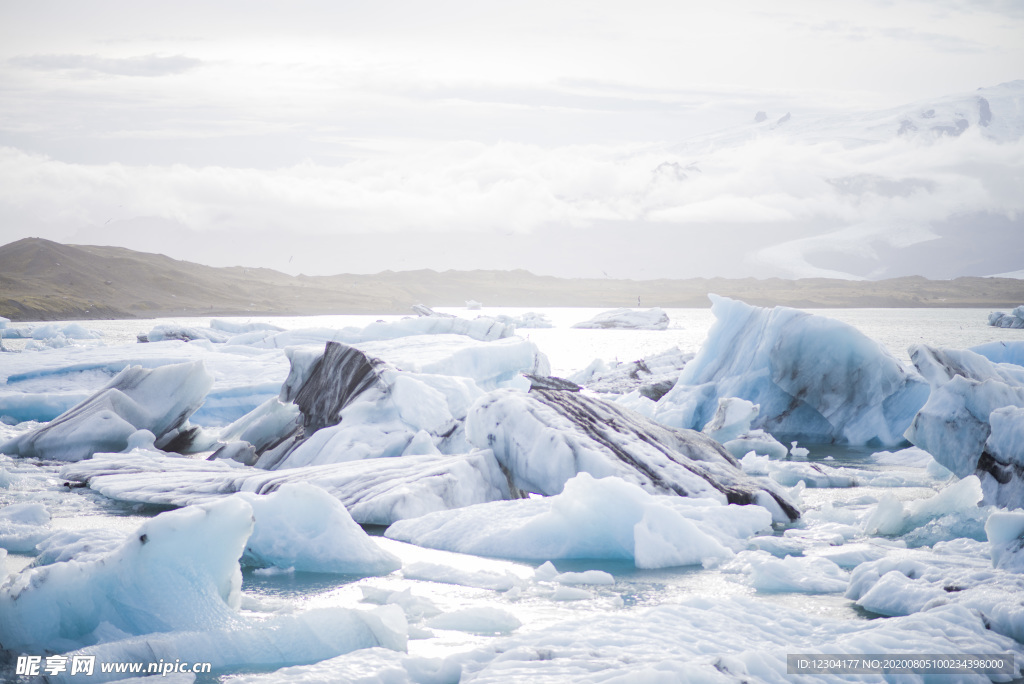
{"x":627,"y":319}
{"x":159,"y":401}
{"x":591,"y":518}
{"x":816,"y":379}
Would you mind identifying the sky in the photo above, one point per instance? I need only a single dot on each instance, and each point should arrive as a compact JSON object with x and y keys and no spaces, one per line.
{"x":578,"y":139}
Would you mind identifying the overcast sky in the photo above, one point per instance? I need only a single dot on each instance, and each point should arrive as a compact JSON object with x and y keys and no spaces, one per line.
{"x":326,"y":137}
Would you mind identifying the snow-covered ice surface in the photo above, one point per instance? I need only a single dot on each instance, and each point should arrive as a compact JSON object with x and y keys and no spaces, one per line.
{"x":264,"y":574}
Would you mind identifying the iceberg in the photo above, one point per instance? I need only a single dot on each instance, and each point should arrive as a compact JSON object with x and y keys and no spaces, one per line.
{"x":354,"y":405}
{"x":973,"y":422}
{"x":816,"y":379}
{"x":375,"y":491}
{"x":158,"y":402}
{"x":627,"y":319}
{"x":592,"y":518}
{"x":1001,"y":319}
{"x":545,"y":437}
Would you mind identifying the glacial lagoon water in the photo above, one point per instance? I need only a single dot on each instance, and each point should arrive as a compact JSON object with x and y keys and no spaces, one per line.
{"x":838,"y":513}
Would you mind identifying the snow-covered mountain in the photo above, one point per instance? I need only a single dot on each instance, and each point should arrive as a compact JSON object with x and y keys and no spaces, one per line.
{"x":930,"y":188}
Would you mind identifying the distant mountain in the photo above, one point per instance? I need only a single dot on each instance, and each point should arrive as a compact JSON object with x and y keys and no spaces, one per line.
{"x":43,"y":280}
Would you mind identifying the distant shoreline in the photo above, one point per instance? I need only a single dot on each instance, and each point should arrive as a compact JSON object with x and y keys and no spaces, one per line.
{"x":46,"y":281}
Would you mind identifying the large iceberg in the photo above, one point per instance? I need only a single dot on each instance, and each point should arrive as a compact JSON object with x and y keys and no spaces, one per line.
{"x":973,"y":422}
{"x":816,"y":379}
{"x":627,"y":319}
{"x":156,"y":402}
{"x":545,"y":437}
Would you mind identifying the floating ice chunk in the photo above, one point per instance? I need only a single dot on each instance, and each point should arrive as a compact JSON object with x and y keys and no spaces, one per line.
{"x":811,"y":575}
{"x":812,"y":474}
{"x":184,"y":333}
{"x":627,"y":319}
{"x":605,"y":518}
{"x":73,"y":331}
{"x":758,"y":441}
{"x":849,"y":556}
{"x":477,"y":620}
{"x":815,"y":378}
{"x":587,"y":577}
{"x":953,"y":512}
{"x":235,"y":327}
{"x":651,"y":376}
{"x":303,"y":527}
{"x":1005,"y":532}
{"x":446,"y":574}
{"x":731,"y":420}
{"x":179,"y":571}
{"x":1001,"y":319}
{"x":158,"y":400}
{"x":797,"y":452}
{"x":23,"y":525}
{"x":375,"y":491}
{"x":416,"y":608}
{"x":546,"y":437}
{"x":955,"y":425}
